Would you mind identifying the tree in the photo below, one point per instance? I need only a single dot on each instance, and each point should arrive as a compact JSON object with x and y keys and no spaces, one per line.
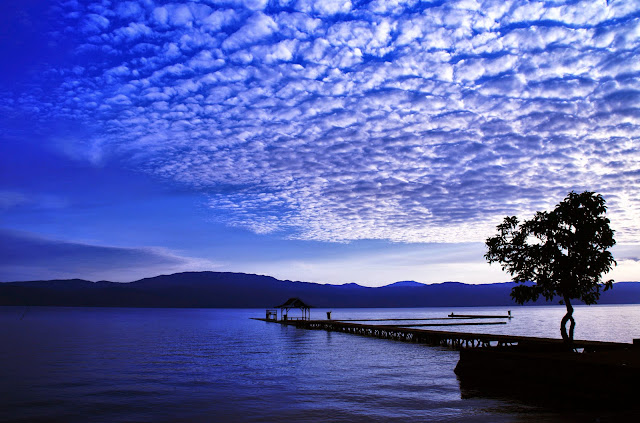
{"x":562,"y":253}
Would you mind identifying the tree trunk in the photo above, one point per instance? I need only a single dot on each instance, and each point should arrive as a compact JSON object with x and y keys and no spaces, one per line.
{"x":568,"y":337}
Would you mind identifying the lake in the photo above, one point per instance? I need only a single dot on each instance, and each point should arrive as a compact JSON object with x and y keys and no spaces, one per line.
{"x":201,"y":365}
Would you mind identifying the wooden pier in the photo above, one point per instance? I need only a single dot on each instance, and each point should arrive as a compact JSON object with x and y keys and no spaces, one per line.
{"x":543,"y":369}
{"x":448,"y":339}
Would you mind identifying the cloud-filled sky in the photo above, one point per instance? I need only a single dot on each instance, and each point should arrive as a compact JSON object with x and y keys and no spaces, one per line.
{"x":333,"y":141}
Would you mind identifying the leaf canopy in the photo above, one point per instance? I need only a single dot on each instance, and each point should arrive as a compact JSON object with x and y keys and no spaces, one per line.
{"x":564,"y":252}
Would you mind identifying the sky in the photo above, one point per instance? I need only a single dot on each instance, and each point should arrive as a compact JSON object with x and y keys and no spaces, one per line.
{"x":329,"y":141}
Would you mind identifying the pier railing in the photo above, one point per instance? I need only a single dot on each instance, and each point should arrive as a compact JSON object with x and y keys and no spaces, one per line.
{"x":447,"y":339}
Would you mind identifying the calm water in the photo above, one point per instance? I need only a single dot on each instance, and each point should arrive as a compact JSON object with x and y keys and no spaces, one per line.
{"x":199,"y":365}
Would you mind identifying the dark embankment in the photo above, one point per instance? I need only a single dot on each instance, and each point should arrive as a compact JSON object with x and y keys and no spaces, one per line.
{"x":560,"y":379}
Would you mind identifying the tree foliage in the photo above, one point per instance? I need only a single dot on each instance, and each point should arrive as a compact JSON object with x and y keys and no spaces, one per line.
{"x":564,"y":253}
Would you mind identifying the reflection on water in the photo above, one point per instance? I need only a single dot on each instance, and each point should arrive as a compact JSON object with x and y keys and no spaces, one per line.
{"x":90,"y":364}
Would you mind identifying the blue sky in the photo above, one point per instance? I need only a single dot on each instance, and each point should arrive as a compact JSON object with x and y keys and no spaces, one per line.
{"x":328,"y":141}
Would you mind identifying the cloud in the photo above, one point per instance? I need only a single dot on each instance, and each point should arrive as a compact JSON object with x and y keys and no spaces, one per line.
{"x":257,"y":27}
{"x":129,"y":10}
{"x":25,"y":256}
{"x":338,"y":121}
{"x":94,"y":23}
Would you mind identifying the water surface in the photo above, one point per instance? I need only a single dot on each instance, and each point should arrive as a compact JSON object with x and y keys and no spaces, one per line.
{"x":170,"y":365}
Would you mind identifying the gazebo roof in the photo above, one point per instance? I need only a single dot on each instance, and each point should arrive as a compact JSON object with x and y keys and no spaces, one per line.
{"x":294,"y":302}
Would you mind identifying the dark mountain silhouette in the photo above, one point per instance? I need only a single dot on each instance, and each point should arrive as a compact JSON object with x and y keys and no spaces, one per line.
{"x":240,"y":290}
{"x":405,"y":283}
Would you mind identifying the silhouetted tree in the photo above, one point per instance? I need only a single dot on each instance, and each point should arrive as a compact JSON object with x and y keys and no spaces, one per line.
{"x":564,"y":253}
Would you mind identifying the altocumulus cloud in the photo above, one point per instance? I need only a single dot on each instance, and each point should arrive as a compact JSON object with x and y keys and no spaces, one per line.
{"x":336,"y":120}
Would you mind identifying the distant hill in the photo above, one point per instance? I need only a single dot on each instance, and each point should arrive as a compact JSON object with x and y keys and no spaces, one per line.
{"x":240,"y":290}
{"x":405,"y":283}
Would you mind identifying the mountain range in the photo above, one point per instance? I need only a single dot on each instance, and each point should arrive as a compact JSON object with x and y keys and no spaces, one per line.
{"x":240,"y":290}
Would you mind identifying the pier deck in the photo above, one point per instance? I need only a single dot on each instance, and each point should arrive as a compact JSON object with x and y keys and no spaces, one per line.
{"x":449,"y":339}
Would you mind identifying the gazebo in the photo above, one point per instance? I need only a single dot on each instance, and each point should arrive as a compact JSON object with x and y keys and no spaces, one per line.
{"x":294,"y":303}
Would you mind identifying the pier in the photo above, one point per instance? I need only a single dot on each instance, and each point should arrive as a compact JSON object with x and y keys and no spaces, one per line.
{"x":590,"y":373}
{"x":447,"y":339}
